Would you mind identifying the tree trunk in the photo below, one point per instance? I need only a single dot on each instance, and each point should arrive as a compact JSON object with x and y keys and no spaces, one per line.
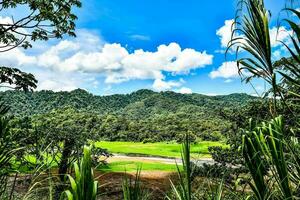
{"x":63,"y":166}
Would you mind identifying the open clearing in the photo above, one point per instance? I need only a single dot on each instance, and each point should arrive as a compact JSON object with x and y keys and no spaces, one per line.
{"x":129,"y":156}
{"x":160,"y":149}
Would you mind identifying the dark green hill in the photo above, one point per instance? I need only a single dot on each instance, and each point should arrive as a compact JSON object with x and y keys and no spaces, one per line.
{"x":151,"y":102}
{"x":143,"y":115}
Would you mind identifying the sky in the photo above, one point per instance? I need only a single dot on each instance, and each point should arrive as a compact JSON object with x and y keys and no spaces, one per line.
{"x":123,"y":46}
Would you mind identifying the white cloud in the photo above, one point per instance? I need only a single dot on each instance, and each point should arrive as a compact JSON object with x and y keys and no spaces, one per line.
{"x":118,"y":65}
{"x":276,"y":55}
{"x":90,"y":54}
{"x":185,"y":90}
{"x":51,"y":80}
{"x":16,"y":57}
{"x":276,"y":35}
{"x":228,"y":80}
{"x":259,"y":88}
{"x":56,"y":85}
{"x":225,"y":33}
{"x":161,"y":85}
{"x":140,"y":37}
{"x":226,"y":70}
{"x":279,"y":34}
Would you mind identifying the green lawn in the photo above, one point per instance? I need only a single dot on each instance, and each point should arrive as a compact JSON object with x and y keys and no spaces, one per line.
{"x":161,"y":149}
{"x":131,"y":166}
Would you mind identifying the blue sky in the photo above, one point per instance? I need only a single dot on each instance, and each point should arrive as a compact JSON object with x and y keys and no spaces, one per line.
{"x":123,"y":46}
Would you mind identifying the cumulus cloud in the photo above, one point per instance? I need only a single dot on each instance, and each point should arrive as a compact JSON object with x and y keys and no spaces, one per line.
{"x":226,"y":70}
{"x":140,"y":37}
{"x":225,"y":32}
{"x":185,"y":90}
{"x":228,"y":80}
{"x":90,"y":54}
{"x":51,"y":80}
{"x":277,"y":34}
{"x":161,"y":85}
{"x":229,"y":69}
{"x":16,"y":58}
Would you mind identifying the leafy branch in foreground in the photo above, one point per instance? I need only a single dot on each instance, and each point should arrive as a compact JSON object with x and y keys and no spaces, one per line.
{"x":13,"y":78}
{"x":40,"y":20}
{"x":251,"y":34}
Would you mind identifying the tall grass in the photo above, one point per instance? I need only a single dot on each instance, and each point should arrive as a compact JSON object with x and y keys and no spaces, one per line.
{"x":270,"y":150}
{"x":272,"y":161}
{"x":83,"y":187}
{"x":183,"y":190}
{"x":251,"y":34}
{"x":7,"y":150}
{"x":133,"y":190}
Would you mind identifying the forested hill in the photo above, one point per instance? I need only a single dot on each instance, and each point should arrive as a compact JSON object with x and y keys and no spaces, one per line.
{"x":140,"y":116}
{"x":141,"y":102}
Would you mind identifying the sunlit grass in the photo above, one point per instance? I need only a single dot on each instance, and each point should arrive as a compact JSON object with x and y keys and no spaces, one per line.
{"x":132,"y":166}
{"x":161,"y":149}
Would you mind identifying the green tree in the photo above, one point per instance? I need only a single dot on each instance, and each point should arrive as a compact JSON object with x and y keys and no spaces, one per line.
{"x":13,"y":78}
{"x":66,"y":130}
{"x":42,"y":20}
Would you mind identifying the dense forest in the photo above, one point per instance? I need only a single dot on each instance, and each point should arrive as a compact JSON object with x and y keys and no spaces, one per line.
{"x":140,"y":116}
{"x":48,"y":140}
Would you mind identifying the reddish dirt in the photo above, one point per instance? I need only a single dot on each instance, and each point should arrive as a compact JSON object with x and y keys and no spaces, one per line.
{"x":156,"y":182}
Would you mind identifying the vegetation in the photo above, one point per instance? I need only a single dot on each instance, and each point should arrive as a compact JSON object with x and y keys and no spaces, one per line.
{"x":132,"y":190}
{"x":131,"y":166}
{"x":43,"y":20}
{"x":162,"y":149}
{"x":83,"y":187}
{"x":42,"y":134}
{"x":143,"y":116}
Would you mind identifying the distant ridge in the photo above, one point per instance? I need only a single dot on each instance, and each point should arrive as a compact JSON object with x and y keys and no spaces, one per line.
{"x":154,"y":102}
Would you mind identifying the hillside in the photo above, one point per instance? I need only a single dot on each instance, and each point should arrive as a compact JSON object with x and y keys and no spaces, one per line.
{"x":139,"y":116}
{"x":26,"y":104}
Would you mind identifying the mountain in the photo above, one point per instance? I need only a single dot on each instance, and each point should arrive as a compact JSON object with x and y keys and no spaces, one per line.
{"x":26,"y":104}
{"x":143,"y":115}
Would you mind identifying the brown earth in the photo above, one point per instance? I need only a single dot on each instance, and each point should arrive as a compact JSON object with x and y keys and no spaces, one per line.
{"x":157,"y":183}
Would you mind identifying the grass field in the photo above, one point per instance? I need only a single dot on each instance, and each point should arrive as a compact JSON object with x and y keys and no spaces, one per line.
{"x":161,"y":149}
{"x":131,"y":166}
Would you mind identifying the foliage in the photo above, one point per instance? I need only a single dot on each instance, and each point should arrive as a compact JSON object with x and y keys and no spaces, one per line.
{"x":251,"y":29}
{"x":17,"y":79}
{"x":184,"y":189}
{"x":83,"y":187}
{"x":131,"y":166}
{"x":133,"y":190}
{"x":270,"y":150}
{"x":6,"y":148}
{"x":8,"y":145}
{"x":42,"y":20}
{"x":141,"y":116}
{"x":267,"y":146}
{"x":162,"y":149}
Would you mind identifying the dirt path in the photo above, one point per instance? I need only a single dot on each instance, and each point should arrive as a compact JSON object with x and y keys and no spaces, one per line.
{"x":119,"y":157}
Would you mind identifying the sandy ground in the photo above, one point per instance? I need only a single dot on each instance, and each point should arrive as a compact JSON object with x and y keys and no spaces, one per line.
{"x":119,"y":157}
{"x":157,"y":183}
